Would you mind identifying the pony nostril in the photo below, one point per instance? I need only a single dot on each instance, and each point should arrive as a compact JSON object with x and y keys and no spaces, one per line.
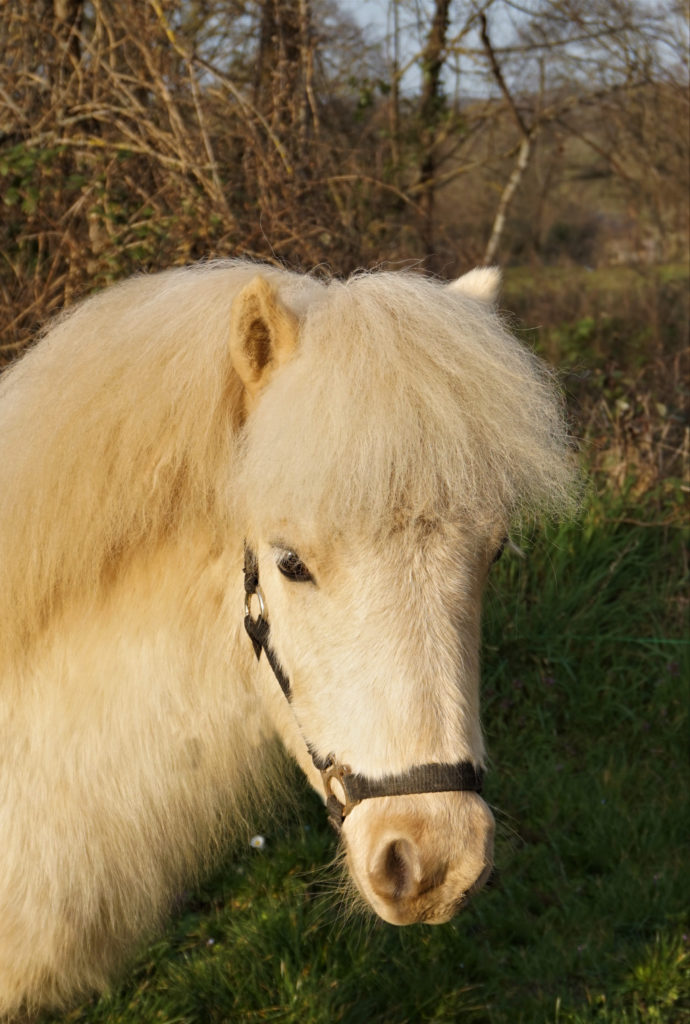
{"x":400,"y":874}
{"x":397,"y":867}
{"x":393,"y":877}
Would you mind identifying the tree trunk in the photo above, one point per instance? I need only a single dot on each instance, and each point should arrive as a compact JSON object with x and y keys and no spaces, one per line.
{"x":431,"y":106}
{"x":524,"y":152}
{"x":506,"y":198}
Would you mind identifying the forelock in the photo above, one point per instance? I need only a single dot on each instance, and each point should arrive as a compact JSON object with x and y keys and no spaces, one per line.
{"x":407,"y":398}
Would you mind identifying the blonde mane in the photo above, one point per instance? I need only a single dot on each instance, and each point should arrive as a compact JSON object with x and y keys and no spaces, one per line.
{"x":116,"y":430}
{"x":410,"y":397}
{"x":122,"y":425}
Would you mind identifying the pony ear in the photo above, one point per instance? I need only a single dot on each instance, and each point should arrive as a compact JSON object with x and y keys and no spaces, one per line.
{"x":482,"y":283}
{"x":263,"y":334}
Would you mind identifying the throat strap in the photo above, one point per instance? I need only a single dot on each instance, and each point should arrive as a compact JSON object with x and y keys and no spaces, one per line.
{"x":345,"y":788}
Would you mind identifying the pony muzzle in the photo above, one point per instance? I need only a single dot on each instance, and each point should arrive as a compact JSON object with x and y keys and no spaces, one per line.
{"x":418,"y":859}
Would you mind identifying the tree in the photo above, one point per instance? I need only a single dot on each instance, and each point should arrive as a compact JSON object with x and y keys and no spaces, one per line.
{"x":151,"y":132}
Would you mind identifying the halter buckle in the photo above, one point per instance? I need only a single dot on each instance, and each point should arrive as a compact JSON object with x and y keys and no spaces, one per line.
{"x":334,"y":771}
{"x":256,"y":592}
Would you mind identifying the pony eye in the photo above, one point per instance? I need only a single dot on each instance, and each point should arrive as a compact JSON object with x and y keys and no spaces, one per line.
{"x":500,"y":550}
{"x":293,"y":568}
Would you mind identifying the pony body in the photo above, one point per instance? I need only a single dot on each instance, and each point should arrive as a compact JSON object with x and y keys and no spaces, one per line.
{"x":386,"y":430}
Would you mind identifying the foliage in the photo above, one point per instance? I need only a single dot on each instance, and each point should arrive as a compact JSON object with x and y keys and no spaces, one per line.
{"x":138,"y":135}
{"x":619,"y":339}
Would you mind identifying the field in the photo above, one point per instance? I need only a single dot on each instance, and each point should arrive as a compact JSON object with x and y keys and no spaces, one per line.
{"x":585,"y":704}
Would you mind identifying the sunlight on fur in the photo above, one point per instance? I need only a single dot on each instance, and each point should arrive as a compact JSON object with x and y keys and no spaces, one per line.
{"x":145,"y":436}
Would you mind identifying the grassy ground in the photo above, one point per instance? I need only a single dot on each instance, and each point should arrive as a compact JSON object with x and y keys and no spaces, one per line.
{"x":587,"y":670}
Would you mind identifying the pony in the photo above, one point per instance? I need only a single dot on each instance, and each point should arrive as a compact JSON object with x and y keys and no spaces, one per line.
{"x":360,"y":448}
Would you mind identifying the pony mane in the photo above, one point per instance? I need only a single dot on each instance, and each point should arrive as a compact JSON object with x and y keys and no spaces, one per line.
{"x":117,"y":430}
{"x":122,"y":426}
{"x":409,"y":398}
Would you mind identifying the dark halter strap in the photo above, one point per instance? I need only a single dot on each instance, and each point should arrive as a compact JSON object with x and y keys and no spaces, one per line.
{"x":423,"y":778}
{"x":258,"y":628}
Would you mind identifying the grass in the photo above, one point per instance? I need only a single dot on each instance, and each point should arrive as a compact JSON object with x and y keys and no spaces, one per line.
{"x":587,"y":669}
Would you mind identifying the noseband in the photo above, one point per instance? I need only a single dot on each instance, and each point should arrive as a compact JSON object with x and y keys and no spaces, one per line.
{"x":423,"y":778}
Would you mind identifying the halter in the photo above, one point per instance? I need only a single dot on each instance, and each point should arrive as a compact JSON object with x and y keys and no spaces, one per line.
{"x":422,"y":778}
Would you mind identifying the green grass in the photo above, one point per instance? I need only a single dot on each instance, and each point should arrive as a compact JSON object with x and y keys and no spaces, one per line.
{"x":586,"y":673}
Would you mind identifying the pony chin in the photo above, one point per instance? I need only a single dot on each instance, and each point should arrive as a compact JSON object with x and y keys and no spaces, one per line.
{"x":418,"y":859}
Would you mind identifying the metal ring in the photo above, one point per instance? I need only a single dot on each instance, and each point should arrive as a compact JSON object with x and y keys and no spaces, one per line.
{"x":262,"y":604}
{"x":335,"y":771}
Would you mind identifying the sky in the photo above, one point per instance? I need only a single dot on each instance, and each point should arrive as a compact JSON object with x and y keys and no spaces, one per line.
{"x":375,"y":16}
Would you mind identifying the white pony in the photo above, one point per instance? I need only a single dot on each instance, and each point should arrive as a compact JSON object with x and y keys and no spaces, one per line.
{"x":369,"y":441}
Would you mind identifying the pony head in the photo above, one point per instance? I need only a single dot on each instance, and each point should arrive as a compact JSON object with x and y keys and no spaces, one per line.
{"x":393,"y":431}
